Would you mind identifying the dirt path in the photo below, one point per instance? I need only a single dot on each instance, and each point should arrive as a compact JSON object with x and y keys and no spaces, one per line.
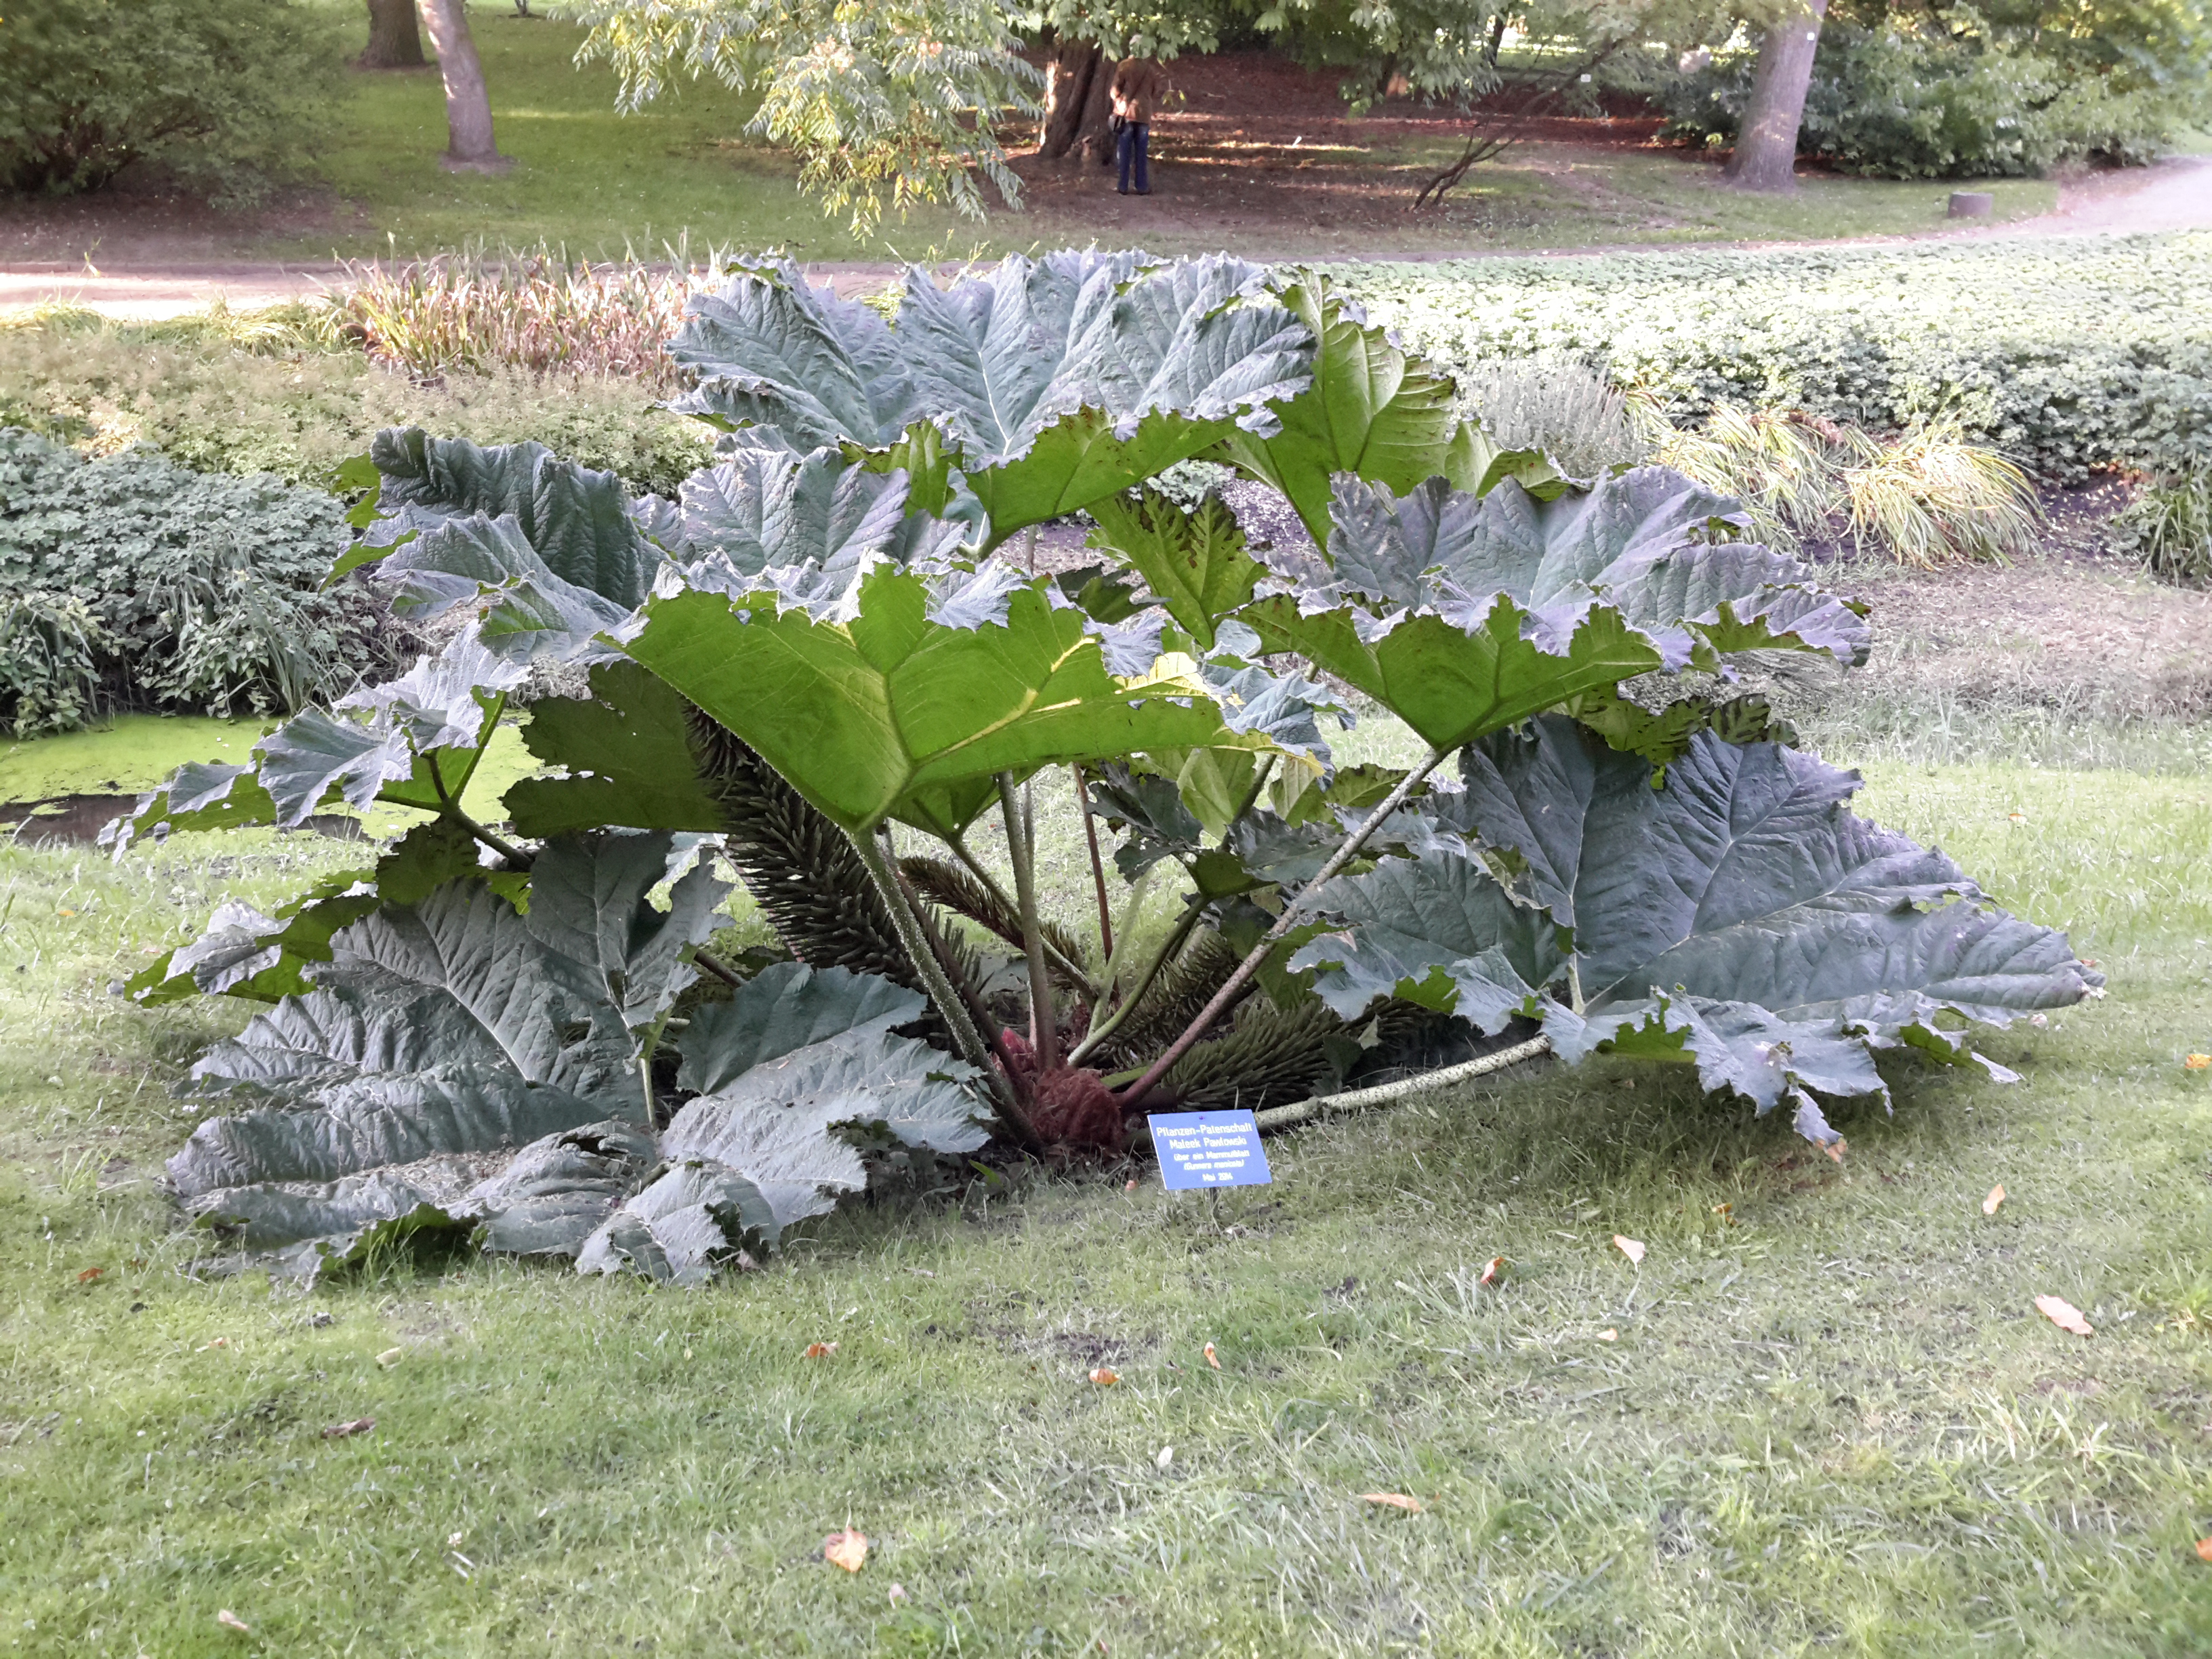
{"x":2175,"y":194}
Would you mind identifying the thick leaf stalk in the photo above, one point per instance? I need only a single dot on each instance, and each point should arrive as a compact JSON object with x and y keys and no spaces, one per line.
{"x":1293,"y":913}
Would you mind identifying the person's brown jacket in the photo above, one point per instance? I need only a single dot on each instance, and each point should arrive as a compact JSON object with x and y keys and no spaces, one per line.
{"x":1139,"y":84}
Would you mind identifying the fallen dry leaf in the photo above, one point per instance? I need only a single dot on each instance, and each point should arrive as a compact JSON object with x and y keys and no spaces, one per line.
{"x":391,"y":1357}
{"x":1631,"y":1248}
{"x":820,"y":1350}
{"x":2204,"y":1549}
{"x":898,"y":1593}
{"x":2064,"y":1315}
{"x":1836,"y":1149}
{"x":1212,"y":1357}
{"x":230,"y":1620}
{"x":2017,"y":817}
{"x":2197,"y":1062}
{"x":1491,"y":1273}
{"x":340,"y":1430}
{"x":1166,"y":1457}
{"x":220,"y":1342}
{"x":90,"y":1275}
{"x":1104,"y":1377}
{"x":1392,"y":1500}
{"x":1997,"y":1197}
{"x":847,"y":1549}
{"x":1609,"y":1336}
{"x":1130,"y":1187}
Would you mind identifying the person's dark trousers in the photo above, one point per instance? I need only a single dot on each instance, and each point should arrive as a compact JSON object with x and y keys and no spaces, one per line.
{"x":1136,"y":143}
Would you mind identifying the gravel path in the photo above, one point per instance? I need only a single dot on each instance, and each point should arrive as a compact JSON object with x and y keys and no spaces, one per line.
{"x":2175,"y":194}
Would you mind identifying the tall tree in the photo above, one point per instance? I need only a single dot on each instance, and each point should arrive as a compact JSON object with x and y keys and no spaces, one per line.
{"x":394,"y":42}
{"x":1766,"y":147}
{"x":469,"y":145}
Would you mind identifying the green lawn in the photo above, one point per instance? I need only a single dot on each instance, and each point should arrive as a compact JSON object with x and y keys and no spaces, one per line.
{"x":598,"y":182}
{"x":1822,"y":1417}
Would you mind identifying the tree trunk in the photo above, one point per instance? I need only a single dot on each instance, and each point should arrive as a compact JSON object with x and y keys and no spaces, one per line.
{"x":1074,"y":66}
{"x":469,"y":146}
{"x":1098,"y":128}
{"x":1766,"y":146}
{"x":394,"y":42}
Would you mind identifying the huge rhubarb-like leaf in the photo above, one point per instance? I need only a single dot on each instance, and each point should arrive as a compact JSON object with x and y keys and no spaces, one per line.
{"x":1464,"y":615}
{"x":1052,"y":383}
{"x":927,"y":688}
{"x":1739,"y":916}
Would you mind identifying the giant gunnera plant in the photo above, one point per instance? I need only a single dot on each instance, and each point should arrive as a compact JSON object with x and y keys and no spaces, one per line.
{"x":811,"y":666}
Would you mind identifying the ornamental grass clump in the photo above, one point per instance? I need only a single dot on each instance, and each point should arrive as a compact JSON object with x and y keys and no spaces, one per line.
{"x":811,"y":668}
{"x":537,"y":309}
{"x":1925,"y":497}
{"x":2169,"y":524}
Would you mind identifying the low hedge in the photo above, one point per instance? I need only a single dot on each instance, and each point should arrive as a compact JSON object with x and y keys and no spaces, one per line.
{"x":130,"y":582}
{"x":2072,"y":355}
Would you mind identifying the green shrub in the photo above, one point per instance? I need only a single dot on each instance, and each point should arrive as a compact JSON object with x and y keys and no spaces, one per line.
{"x":2068,"y":355}
{"x":131,"y":582}
{"x":212,"y":396}
{"x":223,"y":94}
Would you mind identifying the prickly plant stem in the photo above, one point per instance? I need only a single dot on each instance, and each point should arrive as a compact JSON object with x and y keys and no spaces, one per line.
{"x":1070,"y":969}
{"x":1135,"y":1093}
{"x":1098,"y":870}
{"x":937,"y":984}
{"x":1388,"y":1094}
{"x":1021,"y":846}
{"x":1161,"y":957}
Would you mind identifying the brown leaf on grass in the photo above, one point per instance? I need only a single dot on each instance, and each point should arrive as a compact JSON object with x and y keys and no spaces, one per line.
{"x":342,"y":1430}
{"x":391,"y":1357}
{"x":2197,"y":1062}
{"x":1631,"y":1248}
{"x":2064,"y":1315}
{"x":2204,"y":1549}
{"x":1836,"y":1149}
{"x":1997,"y":1197}
{"x":230,"y":1620}
{"x":1104,"y":1377}
{"x":1392,"y":1500}
{"x":1609,"y":1336}
{"x":820,"y":1350}
{"x":1493,"y":1271}
{"x":90,"y":1275}
{"x":1212,"y":1357}
{"x":847,"y":1549}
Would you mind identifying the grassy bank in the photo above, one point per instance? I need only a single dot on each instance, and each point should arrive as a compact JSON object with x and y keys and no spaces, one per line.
{"x":1823,"y":1416}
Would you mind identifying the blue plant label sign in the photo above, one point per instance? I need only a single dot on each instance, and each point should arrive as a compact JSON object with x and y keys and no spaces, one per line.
{"x":1208,"y":1149}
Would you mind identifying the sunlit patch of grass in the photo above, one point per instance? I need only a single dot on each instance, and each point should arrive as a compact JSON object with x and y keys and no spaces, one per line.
{"x":1827,"y":1419}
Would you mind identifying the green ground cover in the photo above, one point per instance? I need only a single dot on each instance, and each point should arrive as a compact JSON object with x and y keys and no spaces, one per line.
{"x":1826,"y":1418}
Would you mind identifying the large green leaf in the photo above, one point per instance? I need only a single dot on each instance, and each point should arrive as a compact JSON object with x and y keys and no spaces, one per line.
{"x":244,"y":953}
{"x":1463,"y":616}
{"x":771,"y":349}
{"x":910,"y":693}
{"x":1370,"y":411}
{"x":1739,"y":916}
{"x":420,"y":743}
{"x":627,"y":758}
{"x":579,"y":525}
{"x":1051,"y":383}
{"x":593,"y":909}
{"x":1195,"y":562}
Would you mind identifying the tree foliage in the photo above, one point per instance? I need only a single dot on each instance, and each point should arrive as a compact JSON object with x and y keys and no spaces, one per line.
{"x":813,"y":652}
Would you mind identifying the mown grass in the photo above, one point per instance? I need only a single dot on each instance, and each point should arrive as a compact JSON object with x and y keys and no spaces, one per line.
{"x":1826,"y":1419}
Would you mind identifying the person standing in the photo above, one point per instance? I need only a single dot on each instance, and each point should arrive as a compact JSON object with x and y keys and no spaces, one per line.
{"x":1139,"y":84}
